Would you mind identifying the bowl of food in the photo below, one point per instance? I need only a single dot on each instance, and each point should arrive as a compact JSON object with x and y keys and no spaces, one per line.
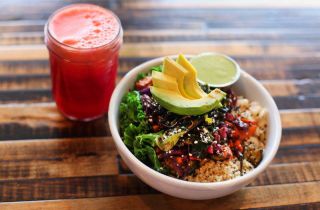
{"x":189,"y":139}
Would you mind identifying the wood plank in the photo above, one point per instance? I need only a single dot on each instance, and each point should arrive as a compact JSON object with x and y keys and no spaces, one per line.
{"x":21,"y":121}
{"x":297,"y":102}
{"x":42,"y":120}
{"x":57,"y":158}
{"x":288,"y":173}
{"x":113,"y":185}
{"x":67,"y":154}
{"x":21,"y":38}
{"x":262,"y":67}
{"x":298,"y":154}
{"x":27,"y":36}
{"x":77,"y":187}
{"x":78,"y":157}
{"x":205,"y":4}
{"x":243,"y":48}
{"x":300,"y":118}
{"x":35,"y":9}
{"x":304,"y":206}
{"x":25,"y":82}
{"x":42,"y":82}
{"x":44,"y":95}
{"x":300,"y":135}
{"x":22,"y":25}
{"x":251,"y":197}
{"x":155,"y":17}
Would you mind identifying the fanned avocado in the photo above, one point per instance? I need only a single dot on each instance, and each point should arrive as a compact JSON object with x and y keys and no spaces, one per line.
{"x":191,"y":85}
{"x":164,"y":81}
{"x":172,"y":68}
{"x":178,"y":104}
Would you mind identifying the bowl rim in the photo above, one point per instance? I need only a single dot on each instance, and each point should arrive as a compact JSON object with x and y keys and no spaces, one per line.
{"x":112,"y":118}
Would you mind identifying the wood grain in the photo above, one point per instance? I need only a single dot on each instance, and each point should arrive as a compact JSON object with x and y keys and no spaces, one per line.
{"x":40,"y":95}
{"x":251,"y":197}
{"x":266,"y":67}
{"x":133,"y":35}
{"x":42,"y":120}
{"x":33,"y":52}
{"x":56,"y":187}
{"x":205,"y":4}
{"x":304,"y":206}
{"x":57,"y":158}
{"x":79,"y":157}
{"x":72,"y":165}
{"x":275,"y":87}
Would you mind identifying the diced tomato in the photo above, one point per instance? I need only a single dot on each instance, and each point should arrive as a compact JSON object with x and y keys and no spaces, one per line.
{"x":252,"y":129}
{"x":226,"y":151}
{"x":242,"y":135}
{"x":238,"y":145}
{"x":179,"y":160}
{"x":229,"y":117}
{"x":143,"y":83}
{"x":210,"y":149}
{"x":229,"y":124}
{"x":155,"y":128}
{"x":236,"y":133}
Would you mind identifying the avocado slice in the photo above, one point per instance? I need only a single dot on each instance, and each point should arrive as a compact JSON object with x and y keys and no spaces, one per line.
{"x":161,"y":80}
{"x":170,"y":138}
{"x":172,"y":68}
{"x":191,"y":85}
{"x":178,"y":104}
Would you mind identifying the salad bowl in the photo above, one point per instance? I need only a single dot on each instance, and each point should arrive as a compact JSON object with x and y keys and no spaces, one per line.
{"x":246,"y":86}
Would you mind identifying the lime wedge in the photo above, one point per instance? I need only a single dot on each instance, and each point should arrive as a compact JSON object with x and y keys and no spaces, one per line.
{"x":216,"y":70}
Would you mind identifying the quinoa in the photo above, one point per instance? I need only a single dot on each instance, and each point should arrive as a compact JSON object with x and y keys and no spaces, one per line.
{"x":214,"y":171}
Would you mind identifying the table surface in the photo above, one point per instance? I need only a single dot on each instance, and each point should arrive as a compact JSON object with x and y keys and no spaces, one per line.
{"x":74,"y":166}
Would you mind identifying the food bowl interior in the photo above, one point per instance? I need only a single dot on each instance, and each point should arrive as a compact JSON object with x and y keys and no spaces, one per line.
{"x":251,"y":89}
{"x":246,"y":86}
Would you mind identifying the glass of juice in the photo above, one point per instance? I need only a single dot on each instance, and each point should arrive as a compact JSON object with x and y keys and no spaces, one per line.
{"x":83,"y":42}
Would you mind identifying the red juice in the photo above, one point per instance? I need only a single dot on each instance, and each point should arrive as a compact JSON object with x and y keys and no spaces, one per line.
{"x":83,"y":42}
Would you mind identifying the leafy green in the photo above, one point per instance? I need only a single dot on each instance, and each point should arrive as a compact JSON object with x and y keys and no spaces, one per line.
{"x":134,"y":126}
{"x":143,"y":149}
{"x":141,"y":76}
{"x":132,"y":131}
{"x":157,"y":68}
{"x":131,"y":110}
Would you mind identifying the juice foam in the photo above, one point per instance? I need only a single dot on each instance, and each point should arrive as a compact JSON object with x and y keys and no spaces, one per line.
{"x":84,"y":27}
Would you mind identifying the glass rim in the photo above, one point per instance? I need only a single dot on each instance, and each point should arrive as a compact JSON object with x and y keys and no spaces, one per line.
{"x":47,"y":31}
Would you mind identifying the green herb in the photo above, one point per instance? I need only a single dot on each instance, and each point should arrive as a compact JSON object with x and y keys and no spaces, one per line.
{"x":141,"y":76}
{"x":157,"y":68}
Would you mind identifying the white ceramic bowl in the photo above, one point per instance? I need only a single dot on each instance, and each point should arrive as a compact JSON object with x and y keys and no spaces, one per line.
{"x":246,"y":86}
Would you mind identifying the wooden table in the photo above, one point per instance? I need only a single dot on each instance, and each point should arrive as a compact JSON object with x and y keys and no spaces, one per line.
{"x":74,"y":166}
